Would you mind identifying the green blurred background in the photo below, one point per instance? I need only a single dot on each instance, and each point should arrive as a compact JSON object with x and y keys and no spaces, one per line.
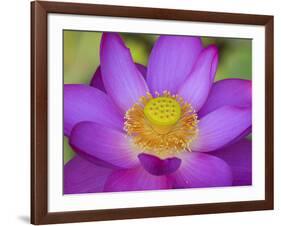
{"x":81,"y":58}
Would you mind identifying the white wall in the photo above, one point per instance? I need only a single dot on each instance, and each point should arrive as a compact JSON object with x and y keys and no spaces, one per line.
{"x":14,"y":111}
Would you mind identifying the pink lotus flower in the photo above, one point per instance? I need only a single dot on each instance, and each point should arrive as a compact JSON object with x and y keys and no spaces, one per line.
{"x":167,"y":126}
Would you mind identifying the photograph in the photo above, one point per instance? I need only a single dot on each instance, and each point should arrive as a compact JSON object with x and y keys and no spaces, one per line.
{"x":150,"y":112}
{"x":140,"y":112}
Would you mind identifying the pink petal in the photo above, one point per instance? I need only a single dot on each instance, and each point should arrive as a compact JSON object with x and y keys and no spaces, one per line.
{"x":82,"y":176}
{"x":103,"y":143}
{"x":196,"y":87}
{"x":234,"y":92}
{"x":157,"y":166}
{"x":239,"y":157}
{"x":122,"y":80}
{"x":171,"y":61}
{"x":97,"y":80}
{"x":220,"y":127}
{"x":85,"y":103}
{"x":201,"y":170}
{"x":135,"y":179}
{"x":97,"y":77}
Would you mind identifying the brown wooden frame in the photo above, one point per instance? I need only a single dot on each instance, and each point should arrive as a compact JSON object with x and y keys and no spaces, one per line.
{"x":39,"y":107}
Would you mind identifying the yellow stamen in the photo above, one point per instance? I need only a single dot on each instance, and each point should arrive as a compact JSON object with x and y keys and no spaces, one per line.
{"x":164,"y":126}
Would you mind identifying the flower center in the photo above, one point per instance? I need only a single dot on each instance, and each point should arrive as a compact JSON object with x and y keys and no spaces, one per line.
{"x":164,"y":125}
{"x":162,"y":111}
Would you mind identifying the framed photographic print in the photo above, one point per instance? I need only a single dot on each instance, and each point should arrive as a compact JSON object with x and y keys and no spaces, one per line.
{"x":145,"y":112}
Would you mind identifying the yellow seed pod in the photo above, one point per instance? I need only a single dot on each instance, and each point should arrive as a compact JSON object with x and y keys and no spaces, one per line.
{"x":162,"y":111}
